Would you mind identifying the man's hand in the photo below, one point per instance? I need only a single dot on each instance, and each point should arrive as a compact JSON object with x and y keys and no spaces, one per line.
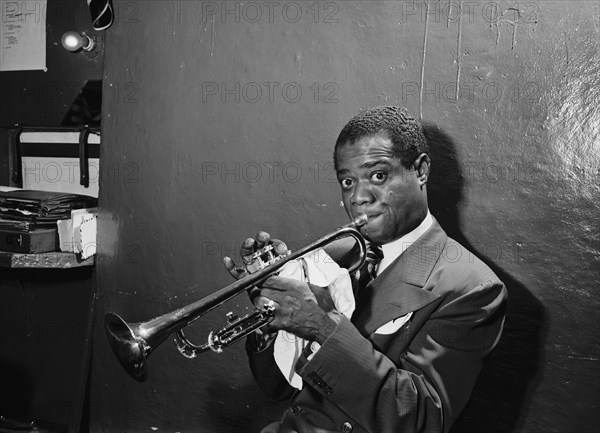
{"x":297,"y":310}
{"x":249,"y":247}
{"x":301,"y":308}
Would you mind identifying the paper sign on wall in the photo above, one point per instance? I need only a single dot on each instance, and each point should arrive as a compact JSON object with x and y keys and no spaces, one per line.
{"x":23,"y":35}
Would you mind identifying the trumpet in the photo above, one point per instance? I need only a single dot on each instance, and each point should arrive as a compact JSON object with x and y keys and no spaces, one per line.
{"x":132,"y":343}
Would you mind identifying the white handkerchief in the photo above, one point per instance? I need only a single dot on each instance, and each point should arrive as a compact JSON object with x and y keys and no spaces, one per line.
{"x":321,"y":270}
{"x":393,"y":326}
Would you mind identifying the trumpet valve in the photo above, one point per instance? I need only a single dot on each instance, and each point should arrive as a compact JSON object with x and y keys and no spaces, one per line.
{"x":266,"y":257}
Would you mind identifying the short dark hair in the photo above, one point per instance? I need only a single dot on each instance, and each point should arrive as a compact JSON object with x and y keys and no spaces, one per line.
{"x":404,"y":130}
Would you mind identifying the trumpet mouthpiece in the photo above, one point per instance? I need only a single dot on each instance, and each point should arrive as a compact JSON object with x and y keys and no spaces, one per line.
{"x":360,"y":221}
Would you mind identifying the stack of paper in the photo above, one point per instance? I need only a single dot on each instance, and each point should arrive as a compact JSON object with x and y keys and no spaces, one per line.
{"x":29,"y":209}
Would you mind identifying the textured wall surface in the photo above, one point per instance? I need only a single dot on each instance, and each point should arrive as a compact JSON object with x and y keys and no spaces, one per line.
{"x":222,"y":122}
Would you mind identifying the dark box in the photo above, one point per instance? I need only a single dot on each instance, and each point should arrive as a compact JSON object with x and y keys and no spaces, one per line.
{"x":30,"y":241}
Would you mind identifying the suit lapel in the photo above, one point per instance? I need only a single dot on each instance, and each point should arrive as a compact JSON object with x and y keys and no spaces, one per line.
{"x":398,"y":290}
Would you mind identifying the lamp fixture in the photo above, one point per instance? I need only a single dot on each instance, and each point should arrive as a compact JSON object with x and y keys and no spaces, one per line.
{"x":73,"y":41}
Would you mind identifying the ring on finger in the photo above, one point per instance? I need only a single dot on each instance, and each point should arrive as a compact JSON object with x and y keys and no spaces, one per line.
{"x":269,"y":306}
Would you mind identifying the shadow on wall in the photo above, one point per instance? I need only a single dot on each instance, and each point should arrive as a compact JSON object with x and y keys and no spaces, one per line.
{"x":503,"y":392}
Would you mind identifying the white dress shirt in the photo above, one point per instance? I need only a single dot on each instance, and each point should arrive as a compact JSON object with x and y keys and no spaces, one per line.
{"x":391,"y":251}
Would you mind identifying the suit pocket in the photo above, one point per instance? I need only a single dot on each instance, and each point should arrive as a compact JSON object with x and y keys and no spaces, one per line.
{"x":392,"y":344}
{"x":393,"y":326}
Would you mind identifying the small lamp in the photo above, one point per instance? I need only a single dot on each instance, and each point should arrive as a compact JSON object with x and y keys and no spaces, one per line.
{"x":73,"y":41}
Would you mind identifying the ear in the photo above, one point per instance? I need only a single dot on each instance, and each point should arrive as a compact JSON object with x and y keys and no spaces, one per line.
{"x":422,"y":166}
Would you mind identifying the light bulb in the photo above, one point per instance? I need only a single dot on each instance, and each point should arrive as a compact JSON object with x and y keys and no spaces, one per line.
{"x":73,"y":41}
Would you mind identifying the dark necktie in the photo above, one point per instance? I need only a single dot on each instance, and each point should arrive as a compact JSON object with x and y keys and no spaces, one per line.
{"x":374,"y":256}
{"x":368,"y":271}
{"x":366,"y":274}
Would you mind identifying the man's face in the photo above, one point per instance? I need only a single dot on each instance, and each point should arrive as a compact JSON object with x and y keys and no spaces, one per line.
{"x":375,"y":183}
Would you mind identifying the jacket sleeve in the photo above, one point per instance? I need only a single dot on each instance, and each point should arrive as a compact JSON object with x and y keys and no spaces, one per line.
{"x":266,"y":373}
{"x":426,"y":387}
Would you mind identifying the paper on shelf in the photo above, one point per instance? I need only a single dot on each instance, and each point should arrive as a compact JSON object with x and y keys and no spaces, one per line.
{"x":88,"y":236}
{"x":78,"y":234}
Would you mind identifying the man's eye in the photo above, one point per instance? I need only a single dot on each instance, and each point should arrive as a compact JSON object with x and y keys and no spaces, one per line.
{"x":346,"y":183}
{"x":378,"y":177}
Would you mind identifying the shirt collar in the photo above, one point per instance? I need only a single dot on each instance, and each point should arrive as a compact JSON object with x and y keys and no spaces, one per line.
{"x":392,"y":250}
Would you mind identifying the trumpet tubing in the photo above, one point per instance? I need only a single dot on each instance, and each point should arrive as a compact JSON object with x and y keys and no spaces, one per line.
{"x":132,"y":343}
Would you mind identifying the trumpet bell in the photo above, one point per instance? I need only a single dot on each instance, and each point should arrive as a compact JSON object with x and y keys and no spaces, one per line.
{"x":128,"y":348}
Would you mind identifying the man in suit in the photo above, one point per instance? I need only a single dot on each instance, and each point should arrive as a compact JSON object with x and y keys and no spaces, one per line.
{"x":427,"y":310}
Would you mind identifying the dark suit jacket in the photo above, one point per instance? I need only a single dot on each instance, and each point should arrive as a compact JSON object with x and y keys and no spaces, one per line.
{"x":415,"y":380}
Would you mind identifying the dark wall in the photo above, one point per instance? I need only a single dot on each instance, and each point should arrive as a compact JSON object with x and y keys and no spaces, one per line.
{"x":41,"y":98}
{"x":212,"y":140}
